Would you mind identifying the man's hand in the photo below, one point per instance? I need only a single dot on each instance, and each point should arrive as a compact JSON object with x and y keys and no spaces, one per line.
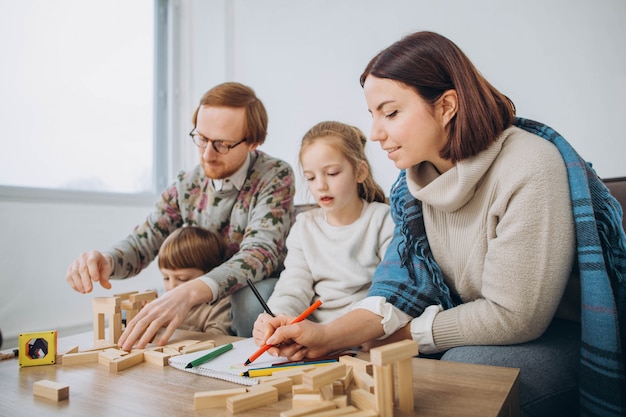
{"x":89,"y":267}
{"x":168,"y":311}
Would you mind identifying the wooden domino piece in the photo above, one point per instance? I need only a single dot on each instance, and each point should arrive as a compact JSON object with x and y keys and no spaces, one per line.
{"x":156,"y":357}
{"x":283,"y":385}
{"x":51,"y":390}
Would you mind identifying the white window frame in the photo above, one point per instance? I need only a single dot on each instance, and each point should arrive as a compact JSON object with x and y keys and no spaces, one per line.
{"x":162,"y":160}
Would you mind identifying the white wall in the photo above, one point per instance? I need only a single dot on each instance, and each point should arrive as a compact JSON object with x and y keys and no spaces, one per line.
{"x":561,"y":62}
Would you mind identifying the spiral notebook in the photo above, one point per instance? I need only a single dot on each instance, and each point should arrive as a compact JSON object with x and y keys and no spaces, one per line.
{"x":229,"y":365}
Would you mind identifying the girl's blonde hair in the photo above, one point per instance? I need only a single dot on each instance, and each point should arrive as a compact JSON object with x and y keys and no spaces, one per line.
{"x":192,"y":247}
{"x":350,"y":141}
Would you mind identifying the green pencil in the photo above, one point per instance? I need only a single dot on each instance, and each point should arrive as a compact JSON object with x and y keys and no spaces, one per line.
{"x":211,"y":355}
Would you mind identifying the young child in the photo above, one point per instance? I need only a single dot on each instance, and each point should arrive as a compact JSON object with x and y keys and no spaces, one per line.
{"x":186,"y":254}
{"x":333,"y":250}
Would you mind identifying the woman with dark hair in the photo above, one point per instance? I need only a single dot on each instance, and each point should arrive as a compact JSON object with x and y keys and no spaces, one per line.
{"x":500,"y":227}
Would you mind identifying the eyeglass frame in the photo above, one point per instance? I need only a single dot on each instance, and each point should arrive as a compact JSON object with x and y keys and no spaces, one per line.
{"x":214,"y":142}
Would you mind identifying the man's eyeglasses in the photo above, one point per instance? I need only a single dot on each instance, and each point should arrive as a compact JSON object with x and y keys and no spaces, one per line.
{"x":220,"y":146}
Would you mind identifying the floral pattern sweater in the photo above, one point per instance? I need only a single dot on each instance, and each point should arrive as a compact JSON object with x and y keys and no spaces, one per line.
{"x":255,"y":222}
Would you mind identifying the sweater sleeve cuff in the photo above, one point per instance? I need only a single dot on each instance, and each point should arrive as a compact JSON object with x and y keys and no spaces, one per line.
{"x":393,"y":319}
{"x":213,"y":286}
{"x":422,"y":329}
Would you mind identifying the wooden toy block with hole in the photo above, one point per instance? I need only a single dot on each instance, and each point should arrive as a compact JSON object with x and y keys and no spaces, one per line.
{"x":309,"y":409}
{"x":111,"y":308}
{"x":207,"y":344}
{"x":324,"y":375}
{"x":125,"y":362}
{"x":252,"y":399}
{"x":214,"y":399}
{"x":51,"y":390}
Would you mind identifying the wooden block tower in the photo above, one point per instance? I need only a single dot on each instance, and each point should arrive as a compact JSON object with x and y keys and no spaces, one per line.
{"x":110,"y":307}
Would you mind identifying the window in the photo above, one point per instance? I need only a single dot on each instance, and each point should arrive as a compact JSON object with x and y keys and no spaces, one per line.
{"x":80,"y":85}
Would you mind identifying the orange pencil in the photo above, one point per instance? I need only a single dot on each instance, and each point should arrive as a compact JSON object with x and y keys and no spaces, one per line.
{"x":301,"y":317}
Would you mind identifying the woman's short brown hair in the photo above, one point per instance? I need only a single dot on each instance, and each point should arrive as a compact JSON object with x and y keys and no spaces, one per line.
{"x":192,"y":247}
{"x":232,"y":94}
{"x":432,"y":64}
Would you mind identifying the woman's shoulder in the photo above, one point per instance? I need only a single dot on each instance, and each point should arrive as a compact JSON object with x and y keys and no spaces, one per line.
{"x":523,"y":151}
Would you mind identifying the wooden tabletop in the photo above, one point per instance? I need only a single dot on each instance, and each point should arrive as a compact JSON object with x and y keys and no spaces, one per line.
{"x":440,"y":388}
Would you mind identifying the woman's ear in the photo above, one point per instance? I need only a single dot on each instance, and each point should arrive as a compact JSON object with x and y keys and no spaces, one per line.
{"x":449,"y":105}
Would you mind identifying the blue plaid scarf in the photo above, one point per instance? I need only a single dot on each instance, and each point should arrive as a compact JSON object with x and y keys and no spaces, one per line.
{"x":601,"y":263}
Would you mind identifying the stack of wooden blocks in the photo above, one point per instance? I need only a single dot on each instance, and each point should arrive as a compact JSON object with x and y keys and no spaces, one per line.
{"x":351,"y":387}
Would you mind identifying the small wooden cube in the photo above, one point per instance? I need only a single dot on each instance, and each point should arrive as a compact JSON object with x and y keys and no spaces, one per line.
{"x":51,"y":390}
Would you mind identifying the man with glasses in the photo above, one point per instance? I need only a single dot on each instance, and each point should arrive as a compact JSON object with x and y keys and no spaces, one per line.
{"x":237,"y":190}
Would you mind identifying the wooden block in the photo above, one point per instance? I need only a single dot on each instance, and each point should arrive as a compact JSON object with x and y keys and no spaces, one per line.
{"x":125,"y":295}
{"x":144,"y":297}
{"x":347,"y":380}
{"x":155,"y":357}
{"x":327,"y":391}
{"x":363,"y":413}
{"x":363,"y":400}
{"x":306,"y":400}
{"x":308,"y":410}
{"x":393,"y":352}
{"x":324,"y":375}
{"x":404,"y":373}
{"x":344,"y":411}
{"x":340,"y":401}
{"x":363,"y":380}
{"x":252,"y":399}
{"x":214,"y":399}
{"x":180,"y":345}
{"x":51,"y":390}
{"x":108,"y":305}
{"x":303,"y":389}
{"x":357,"y":364}
{"x":81,"y":357}
{"x":338,"y":387}
{"x":125,"y":362}
{"x":383,"y":390}
{"x":207,"y":344}
{"x":171,"y":351}
{"x":283,"y":385}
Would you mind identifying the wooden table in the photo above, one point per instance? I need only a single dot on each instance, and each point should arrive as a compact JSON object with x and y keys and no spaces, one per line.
{"x":441,"y":388}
